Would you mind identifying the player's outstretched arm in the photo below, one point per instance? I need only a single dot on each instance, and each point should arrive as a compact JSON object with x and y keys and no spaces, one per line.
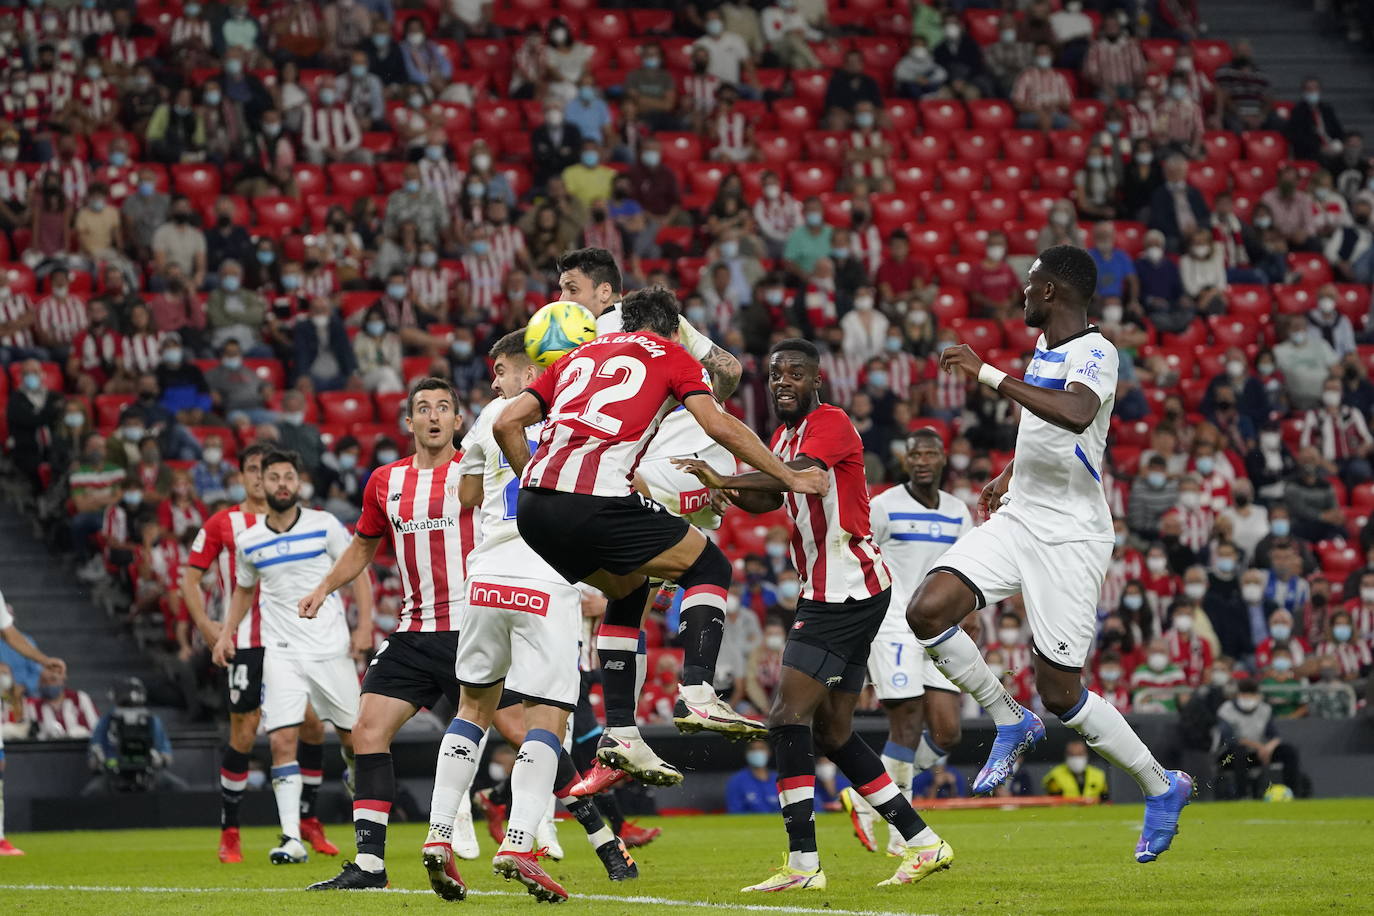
{"x":509,"y":429}
{"x":1073,"y":408}
{"x":741,"y":442}
{"x":25,"y":647}
{"x":347,"y":568}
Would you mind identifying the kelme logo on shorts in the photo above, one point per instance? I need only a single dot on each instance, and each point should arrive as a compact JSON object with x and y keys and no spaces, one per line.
{"x":509,"y":597}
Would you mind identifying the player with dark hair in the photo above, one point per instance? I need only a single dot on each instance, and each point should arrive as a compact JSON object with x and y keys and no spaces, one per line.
{"x":1050,"y":539}
{"x":215,"y":545}
{"x":579,"y":510}
{"x":519,"y":640}
{"x":414,"y":502}
{"x":846,"y":589}
{"x":308,"y":659}
{"x":913,"y":525}
{"x":589,"y":277}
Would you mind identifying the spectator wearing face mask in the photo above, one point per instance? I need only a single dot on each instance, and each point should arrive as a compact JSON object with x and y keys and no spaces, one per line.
{"x":1202,"y":268}
{"x":1283,"y":690}
{"x":1250,"y":739}
{"x":322,"y":349}
{"x":1314,"y":130}
{"x":1187,"y":649}
{"x":753,"y":790}
{"x":917,"y":75}
{"x":1329,"y":324}
{"x":1360,"y":607}
{"x":1347,"y":646}
{"x":1152,"y":494}
{"x":1311,"y":500}
{"x":1114,"y":63}
{"x":59,"y":711}
{"x":1305,"y":359}
{"x":1330,"y":696}
{"x":1340,"y":435}
{"x":1281,"y":638}
{"x":1110,"y":684}
{"x":993,"y":287}
{"x":1155,"y":685}
{"x":295,"y":434}
{"x":1075,"y":777}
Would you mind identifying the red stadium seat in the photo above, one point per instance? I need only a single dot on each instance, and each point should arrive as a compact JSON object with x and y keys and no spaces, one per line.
{"x":1362,"y":496}
{"x":928,"y":147}
{"x":1193,"y":391}
{"x":1222,"y":146}
{"x":651,"y":22}
{"x":982,"y":25}
{"x":1265,"y":146}
{"x":680,"y":148}
{"x":269,"y":370}
{"x":1291,"y":299}
{"x":1234,"y":330}
{"x":52,"y":375}
{"x":1055,"y":174}
{"x":931,"y":239}
{"x":278,"y":214}
{"x":1010,"y":176}
{"x":688,"y":271}
{"x":380,"y":142}
{"x":994,"y":206}
{"x":1209,"y":178}
{"x":346,"y":407}
{"x":794,"y":115}
{"x":972,"y":238}
{"x":1089,"y":114}
{"x":1338,"y":559}
{"x":607,"y":26}
{"x":902,"y":115}
{"x":1035,"y":205}
{"x":962,"y":175}
{"x":892,"y":210}
{"x":1022,"y":237}
{"x":1191,"y":336}
{"x":809,"y":85}
{"x":991,"y":114}
{"x":1209,"y":54}
{"x":487,"y":54}
{"x":953,"y":270}
{"x":356,"y":180}
{"x":1130,"y":236}
{"x":942,"y":114}
{"x":108,"y":407}
{"x":981,"y":334}
{"x":1020,"y":336}
{"x":879,"y":52}
{"x":975,"y":145}
{"x":494,"y":117}
{"x":195,"y":181}
{"x":950,"y":303}
{"x":1024,"y":145}
{"x":1249,"y":299}
{"x":830,"y":54}
{"x":1253,"y":176}
{"x":778,"y":147}
{"x":807,"y":178}
{"x":1311,"y":267}
{"x":1070,"y":145}
{"x":838,"y":208}
{"x":1160,"y":53}
{"x":705,"y":177}
{"x":911,"y":177}
{"x":944,"y":206}
{"x":826,"y":145}
{"x":310,"y":179}
{"x":1353,"y":301}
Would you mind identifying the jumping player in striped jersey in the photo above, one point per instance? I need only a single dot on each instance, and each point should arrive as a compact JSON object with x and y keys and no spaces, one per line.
{"x":912,"y":524}
{"x":589,"y":276}
{"x":520,"y":636}
{"x":215,"y":545}
{"x":1050,"y":539}
{"x":846,"y":589}
{"x":579,"y":510}
{"x":414,"y":502}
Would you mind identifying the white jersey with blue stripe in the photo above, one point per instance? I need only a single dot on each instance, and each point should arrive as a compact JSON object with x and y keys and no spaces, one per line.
{"x":912,"y":538}
{"x":1056,"y":484}
{"x":287,"y":565}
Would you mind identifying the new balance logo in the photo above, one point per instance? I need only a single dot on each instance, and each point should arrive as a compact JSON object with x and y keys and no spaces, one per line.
{"x":509,"y":597}
{"x":833,"y":681}
{"x":395,"y":498}
{"x":614,"y":666}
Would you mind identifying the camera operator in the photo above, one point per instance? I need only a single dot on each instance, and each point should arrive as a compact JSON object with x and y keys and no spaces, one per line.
{"x":130,"y":751}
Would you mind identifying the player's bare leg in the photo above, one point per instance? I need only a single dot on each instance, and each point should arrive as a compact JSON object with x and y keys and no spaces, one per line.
{"x":1106,"y":731}
{"x":233,"y":779}
{"x":310,"y":755}
{"x":379,"y":718}
{"x":942,"y":601}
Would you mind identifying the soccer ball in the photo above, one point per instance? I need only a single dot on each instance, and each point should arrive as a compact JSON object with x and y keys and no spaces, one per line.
{"x":1278,"y":793}
{"x":557,"y":329}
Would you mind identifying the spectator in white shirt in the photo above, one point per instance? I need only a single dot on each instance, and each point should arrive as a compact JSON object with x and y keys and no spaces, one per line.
{"x":729,"y":55}
{"x":787,"y":33}
{"x":865,"y":328}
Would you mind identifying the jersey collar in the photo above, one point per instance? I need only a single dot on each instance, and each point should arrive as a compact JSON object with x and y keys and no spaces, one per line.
{"x":1090,"y":329}
{"x":912,"y":493}
{"x":300,"y":513}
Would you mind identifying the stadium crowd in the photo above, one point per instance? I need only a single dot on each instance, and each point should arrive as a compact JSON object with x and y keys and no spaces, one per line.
{"x":223,"y":223}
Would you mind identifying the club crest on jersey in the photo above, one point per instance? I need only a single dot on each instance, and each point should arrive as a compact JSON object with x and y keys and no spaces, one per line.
{"x":283,"y":547}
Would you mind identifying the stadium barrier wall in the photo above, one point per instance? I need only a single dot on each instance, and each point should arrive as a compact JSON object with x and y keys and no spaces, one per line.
{"x":43,"y":780}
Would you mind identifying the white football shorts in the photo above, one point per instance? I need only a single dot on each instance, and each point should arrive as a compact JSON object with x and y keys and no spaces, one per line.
{"x":330,"y":685}
{"x":681,"y":493}
{"x":899,"y":669}
{"x":1059,"y":583}
{"x":525,"y":631}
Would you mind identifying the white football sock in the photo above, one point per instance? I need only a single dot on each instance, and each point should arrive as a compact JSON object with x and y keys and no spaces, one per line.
{"x":958,"y":659}
{"x":897,"y":760}
{"x":1106,"y":731}
{"x":927,"y":754}
{"x":531,"y":783}
{"x":804,"y":861}
{"x":454,"y":771}
{"x":286,"y":786}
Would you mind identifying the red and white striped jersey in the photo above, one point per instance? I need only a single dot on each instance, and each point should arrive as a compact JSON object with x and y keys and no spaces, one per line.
{"x":867,"y":245}
{"x":431,"y":535}
{"x":61,"y":318}
{"x":14,"y":184}
{"x":82,"y":22}
{"x":331,"y":127}
{"x":186,"y":30}
{"x":484,"y":275}
{"x":443,"y":178}
{"x":143,"y":352}
{"x":216,"y":544}
{"x":700,"y":89}
{"x":506,"y":244}
{"x":23,"y":109}
{"x":74,"y":175}
{"x":98,"y":98}
{"x":102,"y":349}
{"x":321,"y":284}
{"x":604,"y":402}
{"x":431,"y":287}
{"x":832,"y":544}
{"x":13,"y":306}
{"x":120,"y":179}
{"x":118,"y":50}
{"x":841,"y":373}
{"x":777,"y":218}
{"x":54,"y":89}
{"x":867,"y":139}
{"x":604,"y":234}
{"x":731,"y":131}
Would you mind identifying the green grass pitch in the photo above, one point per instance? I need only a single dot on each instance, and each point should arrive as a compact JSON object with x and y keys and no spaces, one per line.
{"x":1248,"y":857}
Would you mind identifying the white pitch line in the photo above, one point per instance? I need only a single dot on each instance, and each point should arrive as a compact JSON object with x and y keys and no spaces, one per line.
{"x":607,"y":898}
